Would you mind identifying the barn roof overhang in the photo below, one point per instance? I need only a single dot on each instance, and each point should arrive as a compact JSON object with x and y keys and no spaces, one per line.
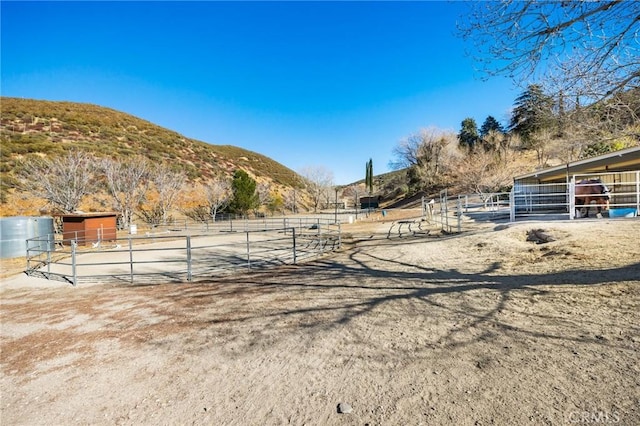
{"x":618,"y":161}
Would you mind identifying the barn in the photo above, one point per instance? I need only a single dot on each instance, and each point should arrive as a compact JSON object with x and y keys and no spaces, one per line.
{"x":550,"y":191}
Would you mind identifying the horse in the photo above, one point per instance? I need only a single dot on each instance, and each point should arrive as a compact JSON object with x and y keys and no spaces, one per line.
{"x":589,"y":190}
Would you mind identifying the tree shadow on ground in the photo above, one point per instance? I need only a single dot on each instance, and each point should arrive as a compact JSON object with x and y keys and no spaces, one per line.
{"x":332,"y":293}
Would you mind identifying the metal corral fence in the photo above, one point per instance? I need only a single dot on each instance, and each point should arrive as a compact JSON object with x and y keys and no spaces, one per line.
{"x":232,"y":223}
{"x":539,"y":199}
{"x":449,"y":211}
{"x":529,"y":199}
{"x":181,"y":255}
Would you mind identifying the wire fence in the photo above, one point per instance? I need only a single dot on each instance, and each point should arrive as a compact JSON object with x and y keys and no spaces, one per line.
{"x":179,"y":255}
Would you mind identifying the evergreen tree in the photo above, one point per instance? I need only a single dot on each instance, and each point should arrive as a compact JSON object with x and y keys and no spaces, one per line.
{"x":245,"y":196}
{"x":468,"y":136}
{"x":368,"y":180}
{"x":533,"y":112}
{"x":490,"y":123}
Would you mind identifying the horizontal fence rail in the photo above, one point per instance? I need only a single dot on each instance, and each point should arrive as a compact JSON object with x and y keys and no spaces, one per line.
{"x":531,"y":199}
{"x":178,"y":255}
{"x":231,"y":223}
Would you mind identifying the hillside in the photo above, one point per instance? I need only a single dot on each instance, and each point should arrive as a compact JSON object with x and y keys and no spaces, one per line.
{"x":49,"y":128}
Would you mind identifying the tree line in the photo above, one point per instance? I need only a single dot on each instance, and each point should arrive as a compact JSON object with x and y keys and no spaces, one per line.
{"x":139,"y":189}
{"x":578,"y":64}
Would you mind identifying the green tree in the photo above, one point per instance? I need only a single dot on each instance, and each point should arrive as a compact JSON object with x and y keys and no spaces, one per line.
{"x":468,"y":136}
{"x":368,"y":181}
{"x":490,"y":123}
{"x":532,"y":113}
{"x":245,"y":196}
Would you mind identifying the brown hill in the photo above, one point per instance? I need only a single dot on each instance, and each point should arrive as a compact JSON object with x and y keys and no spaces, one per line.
{"x":36,"y":127}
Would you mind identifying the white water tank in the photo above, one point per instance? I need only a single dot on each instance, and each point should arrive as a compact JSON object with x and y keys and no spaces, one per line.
{"x":16,"y":230}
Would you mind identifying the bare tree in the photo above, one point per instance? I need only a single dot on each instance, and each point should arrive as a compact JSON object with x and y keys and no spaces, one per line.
{"x":542,"y":144}
{"x":290,"y":201}
{"x":127,"y":182}
{"x":484,"y":172}
{"x":583,"y":49}
{"x":264,"y":193}
{"x":494,"y":140}
{"x":319,"y":181}
{"x":168,"y":185}
{"x":407,"y":152}
{"x":218,"y":195}
{"x":425,"y":153}
{"x":352,"y":194}
{"x":62,"y":181}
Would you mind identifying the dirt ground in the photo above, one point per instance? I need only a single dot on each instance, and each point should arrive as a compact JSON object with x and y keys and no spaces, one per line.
{"x":473,"y":329}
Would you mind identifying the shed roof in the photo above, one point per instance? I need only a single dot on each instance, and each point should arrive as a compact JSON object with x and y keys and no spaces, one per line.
{"x":88,"y":215}
{"x":617,"y":161}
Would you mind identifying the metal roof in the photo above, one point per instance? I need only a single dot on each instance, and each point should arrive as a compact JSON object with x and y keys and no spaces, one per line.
{"x":86,"y":215}
{"x":618,"y":161}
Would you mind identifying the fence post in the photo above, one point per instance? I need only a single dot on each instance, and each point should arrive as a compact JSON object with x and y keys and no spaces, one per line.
{"x":638,"y":193}
{"x":459,"y":206}
{"x":131,"y":259}
{"x":248,"y":252}
{"x":512,"y":205}
{"x":294,"y":245}
{"x":446,"y":211}
{"x":572,"y":198}
{"x":189,"y":258}
{"x":74,"y":272}
{"x":49,"y":244}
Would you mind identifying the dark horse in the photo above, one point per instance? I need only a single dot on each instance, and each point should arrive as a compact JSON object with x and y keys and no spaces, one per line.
{"x":589,"y":190}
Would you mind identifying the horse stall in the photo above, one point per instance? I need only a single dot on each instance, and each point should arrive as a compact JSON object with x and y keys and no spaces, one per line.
{"x":607,"y":186}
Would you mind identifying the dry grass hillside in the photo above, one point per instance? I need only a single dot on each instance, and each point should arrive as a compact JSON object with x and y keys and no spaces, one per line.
{"x":36,"y":127}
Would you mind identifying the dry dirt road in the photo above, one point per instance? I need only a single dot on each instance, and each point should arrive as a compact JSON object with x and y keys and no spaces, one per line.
{"x":474,"y":329}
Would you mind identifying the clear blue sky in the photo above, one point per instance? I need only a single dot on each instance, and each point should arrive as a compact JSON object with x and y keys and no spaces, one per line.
{"x":327,"y":84}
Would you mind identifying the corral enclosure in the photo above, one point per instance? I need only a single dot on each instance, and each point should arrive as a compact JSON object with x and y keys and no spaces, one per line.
{"x":481,"y":327}
{"x":550,"y":190}
{"x":195,"y":252}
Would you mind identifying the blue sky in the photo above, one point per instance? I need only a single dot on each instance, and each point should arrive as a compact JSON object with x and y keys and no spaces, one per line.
{"x":328,"y":84}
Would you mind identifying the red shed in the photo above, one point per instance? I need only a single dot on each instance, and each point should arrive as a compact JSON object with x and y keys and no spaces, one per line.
{"x":88,"y":228}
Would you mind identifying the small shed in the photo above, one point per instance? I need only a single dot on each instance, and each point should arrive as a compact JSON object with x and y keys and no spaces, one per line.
{"x":89,"y":228}
{"x":372,"y":202}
